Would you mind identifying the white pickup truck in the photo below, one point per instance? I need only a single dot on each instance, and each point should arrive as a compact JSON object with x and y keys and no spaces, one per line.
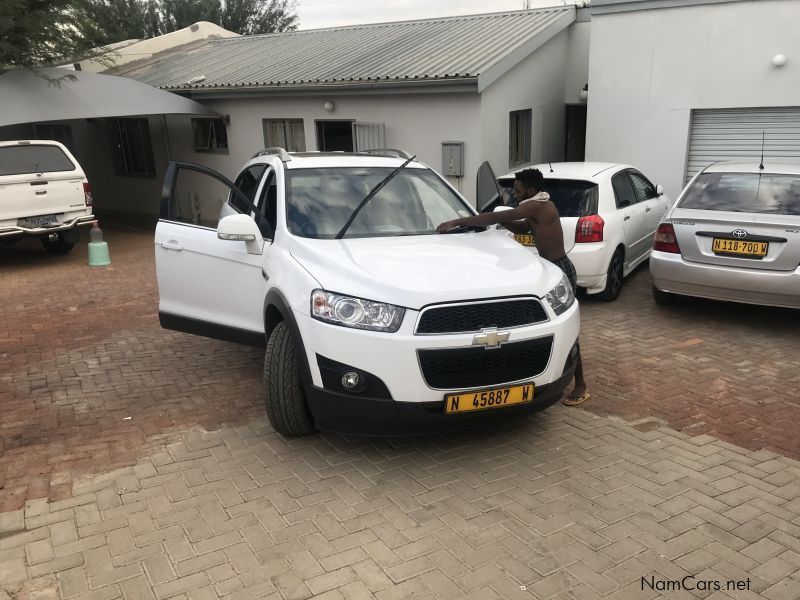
{"x":44,"y":193}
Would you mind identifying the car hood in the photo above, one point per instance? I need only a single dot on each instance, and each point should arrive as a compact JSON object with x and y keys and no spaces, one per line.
{"x":415,"y":271}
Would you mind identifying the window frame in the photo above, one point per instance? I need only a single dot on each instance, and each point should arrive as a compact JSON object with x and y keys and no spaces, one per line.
{"x":124,"y":164}
{"x":287,"y":133}
{"x":215,"y":145}
{"x":514,"y":135}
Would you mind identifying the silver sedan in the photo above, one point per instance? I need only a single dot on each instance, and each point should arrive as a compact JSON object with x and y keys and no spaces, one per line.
{"x":734,"y":234}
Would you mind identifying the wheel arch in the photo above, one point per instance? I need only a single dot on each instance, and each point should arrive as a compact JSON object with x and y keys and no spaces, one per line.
{"x":276,"y":310}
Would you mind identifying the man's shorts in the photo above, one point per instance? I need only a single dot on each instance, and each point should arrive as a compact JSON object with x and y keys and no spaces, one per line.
{"x":565,"y":264}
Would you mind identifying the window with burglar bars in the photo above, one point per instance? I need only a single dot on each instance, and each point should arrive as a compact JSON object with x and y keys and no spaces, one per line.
{"x":210,"y":135}
{"x":56,"y":131}
{"x":134,"y":154}
{"x":286,"y":133}
{"x":519,"y":137}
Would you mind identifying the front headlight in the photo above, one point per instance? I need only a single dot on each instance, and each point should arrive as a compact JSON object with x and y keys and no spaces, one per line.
{"x":561,"y":297}
{"x":355,"y":312}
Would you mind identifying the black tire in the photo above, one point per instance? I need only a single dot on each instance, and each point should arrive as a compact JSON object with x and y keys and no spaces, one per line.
{"x":615,"y":276}
{"x":664,"y":298}
{"x":283,"y":391}
{"x":58,"y":246}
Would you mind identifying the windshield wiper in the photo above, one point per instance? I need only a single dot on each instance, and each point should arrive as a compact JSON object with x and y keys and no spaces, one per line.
{"x":369,"y":197}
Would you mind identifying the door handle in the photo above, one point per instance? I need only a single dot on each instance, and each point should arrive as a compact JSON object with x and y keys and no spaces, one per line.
{"x":627,"y":218}
{"x":171,"y":245}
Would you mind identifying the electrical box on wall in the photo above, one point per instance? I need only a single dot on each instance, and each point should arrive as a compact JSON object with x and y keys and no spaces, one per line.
{"x":453,"y":159}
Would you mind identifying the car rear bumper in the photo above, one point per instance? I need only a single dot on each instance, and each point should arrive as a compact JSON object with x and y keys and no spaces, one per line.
{"x":671,"y":273}
{"x":17,"y":230}
{"x":591,"y":262}
{"x":358,"y":415}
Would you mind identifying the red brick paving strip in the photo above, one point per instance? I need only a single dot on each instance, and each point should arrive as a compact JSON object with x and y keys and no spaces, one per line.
{"x":81,"y":350}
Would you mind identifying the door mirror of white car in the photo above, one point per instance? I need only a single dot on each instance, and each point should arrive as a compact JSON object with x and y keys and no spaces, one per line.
{"x":241,"y":228}
{"x":660,"y":190}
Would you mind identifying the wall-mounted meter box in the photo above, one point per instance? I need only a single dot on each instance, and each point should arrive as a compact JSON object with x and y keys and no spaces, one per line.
{"x":453,"y":159}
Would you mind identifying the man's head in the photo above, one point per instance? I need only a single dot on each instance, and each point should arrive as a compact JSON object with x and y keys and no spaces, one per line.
{"x":527,"y":183}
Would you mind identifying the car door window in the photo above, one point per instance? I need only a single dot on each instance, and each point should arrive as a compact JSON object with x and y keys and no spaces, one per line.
{"x":268,"y":200}
{"x":623,"y":190}
{"x":247,"y":182}
{"x":643,"y":189}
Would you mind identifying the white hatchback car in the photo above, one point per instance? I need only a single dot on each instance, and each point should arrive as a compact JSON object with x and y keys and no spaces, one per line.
{"x":609,"y":214}
{"x":373,"y":322}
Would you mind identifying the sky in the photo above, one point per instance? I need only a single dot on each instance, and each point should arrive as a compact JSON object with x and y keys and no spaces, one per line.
{"x":315,"y":14}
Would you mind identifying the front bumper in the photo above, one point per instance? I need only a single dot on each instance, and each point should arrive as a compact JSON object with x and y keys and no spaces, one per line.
{"x":17,"y":230}
{"x":359,"y":415}
{"x":407,"y":401}
{"x":671,"y":273}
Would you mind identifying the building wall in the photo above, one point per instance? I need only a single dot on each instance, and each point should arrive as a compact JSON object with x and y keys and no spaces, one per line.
{"x":577,"y":62}
{"x":536,"y":83}
{"x":649,"y":68}
{"x":416,"y":123}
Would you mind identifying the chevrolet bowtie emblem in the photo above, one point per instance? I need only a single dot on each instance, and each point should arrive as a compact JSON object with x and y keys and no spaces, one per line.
{"x":491,"y":338}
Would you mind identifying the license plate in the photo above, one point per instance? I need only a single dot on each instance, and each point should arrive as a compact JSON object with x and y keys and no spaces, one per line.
{"x":740,"y":248}
{"x":37,"y":221}
{"x":525,"y":240}
{"x":486,"y":399}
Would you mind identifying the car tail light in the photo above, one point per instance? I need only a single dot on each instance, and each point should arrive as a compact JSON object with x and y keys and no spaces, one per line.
{"x":87,"y":193}
{"x":665,"y":240}
{"x":589,"y":229}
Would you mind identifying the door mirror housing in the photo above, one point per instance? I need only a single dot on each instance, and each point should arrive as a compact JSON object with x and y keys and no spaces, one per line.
{"x":659,"y":190}
{"x":241,"y":228}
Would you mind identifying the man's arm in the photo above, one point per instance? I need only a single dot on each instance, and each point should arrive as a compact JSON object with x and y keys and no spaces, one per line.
{"x":520,"y":227}
{"x":503,"y":217}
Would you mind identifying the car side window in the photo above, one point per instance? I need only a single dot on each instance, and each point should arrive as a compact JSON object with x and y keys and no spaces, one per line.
{"x":643,"y":189}
{"x":623,"y":190}
{"x":268,"y":200}
{"x":247,"y":182}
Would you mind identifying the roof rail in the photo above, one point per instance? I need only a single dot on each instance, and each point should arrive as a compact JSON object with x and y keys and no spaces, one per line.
{"x":387,"y":152}
{"x":277,"y":150}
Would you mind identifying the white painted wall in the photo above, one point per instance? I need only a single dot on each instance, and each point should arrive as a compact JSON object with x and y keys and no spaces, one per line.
{"x":417,"y":123}
{"x":648,"y":69}
{"x":577,"y":62}
{"x":538,"y":83}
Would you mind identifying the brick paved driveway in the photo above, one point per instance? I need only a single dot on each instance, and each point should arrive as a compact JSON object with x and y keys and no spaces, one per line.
{"x":567,"y":503}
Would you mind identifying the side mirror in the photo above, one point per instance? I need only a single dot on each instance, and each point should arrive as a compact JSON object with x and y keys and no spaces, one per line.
{"x":659,"y":190}
{"x":241,"y":228}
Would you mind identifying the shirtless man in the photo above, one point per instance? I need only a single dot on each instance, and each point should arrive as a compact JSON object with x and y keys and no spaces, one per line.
{"x":536,"y":215}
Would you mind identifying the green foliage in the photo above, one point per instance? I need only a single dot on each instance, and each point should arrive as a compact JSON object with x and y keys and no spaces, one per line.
{"x":46,"y":32}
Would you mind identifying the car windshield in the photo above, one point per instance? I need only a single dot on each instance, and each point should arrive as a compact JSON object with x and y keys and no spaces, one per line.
{"x":33,"y":158}
{"x":745,"y":192}
{"x":572,"y":197}
{"x":414,"y":202}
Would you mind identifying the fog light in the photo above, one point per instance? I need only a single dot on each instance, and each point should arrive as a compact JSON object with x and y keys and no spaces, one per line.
{"x":350,"y":380}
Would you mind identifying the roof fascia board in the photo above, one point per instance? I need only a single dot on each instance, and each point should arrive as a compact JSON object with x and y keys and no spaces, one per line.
{"x":511,"y":60}
{"x":603,"y":7}
{"x":434,"y":87}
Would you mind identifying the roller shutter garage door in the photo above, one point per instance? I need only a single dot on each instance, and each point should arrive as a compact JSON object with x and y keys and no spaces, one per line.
{"x":735,"y":134}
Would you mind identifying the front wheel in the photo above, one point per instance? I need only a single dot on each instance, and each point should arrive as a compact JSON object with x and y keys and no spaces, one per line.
{"x":283,"y":391}
{"x":614,"y":278}
{"x":57,"y":246}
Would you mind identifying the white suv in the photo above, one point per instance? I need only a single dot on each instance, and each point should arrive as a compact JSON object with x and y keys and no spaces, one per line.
{"x":373,"y":322}
{"x":44,"y":193}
